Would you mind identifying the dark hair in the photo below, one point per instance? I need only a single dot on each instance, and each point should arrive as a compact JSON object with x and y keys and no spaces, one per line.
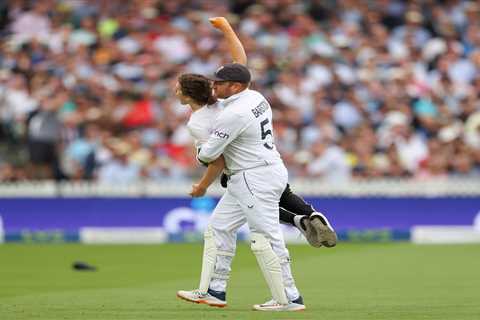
{"x":197,"y":87}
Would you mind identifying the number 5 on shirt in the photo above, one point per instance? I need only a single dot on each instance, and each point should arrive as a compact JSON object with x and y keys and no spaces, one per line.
{"x":265,"y":133}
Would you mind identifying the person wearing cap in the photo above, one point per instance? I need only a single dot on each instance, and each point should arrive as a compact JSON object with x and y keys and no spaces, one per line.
{"x":243,"y":134}
{"x":194,"y":90}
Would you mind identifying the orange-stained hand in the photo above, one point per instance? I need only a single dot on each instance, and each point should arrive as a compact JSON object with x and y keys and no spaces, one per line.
{"x":197,"y":191}
{"x":219,"y":22}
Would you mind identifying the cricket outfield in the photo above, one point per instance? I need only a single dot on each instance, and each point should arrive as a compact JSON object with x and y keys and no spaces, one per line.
{"x":351,"y":281}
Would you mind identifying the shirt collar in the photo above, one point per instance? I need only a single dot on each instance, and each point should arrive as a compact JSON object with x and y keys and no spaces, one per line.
{"x":234,"y":97}
{"x":195,"y":111}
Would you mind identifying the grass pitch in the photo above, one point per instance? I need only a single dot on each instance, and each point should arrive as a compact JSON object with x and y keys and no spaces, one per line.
{"x":351,"y":281}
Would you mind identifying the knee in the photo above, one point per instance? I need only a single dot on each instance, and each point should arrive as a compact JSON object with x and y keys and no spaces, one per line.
{"x":208,"y":234}
{"x":221,"y":239}
{"x":259,"y":243}
{"x":214,"y":229}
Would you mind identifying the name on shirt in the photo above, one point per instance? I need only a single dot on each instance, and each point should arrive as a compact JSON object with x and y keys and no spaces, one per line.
{"x":260,"y":109}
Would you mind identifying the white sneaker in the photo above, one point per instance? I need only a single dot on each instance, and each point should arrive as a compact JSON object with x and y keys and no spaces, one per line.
{"x":326,"y":234}
{"x":196,"y":296}
{"x":273,"y":305}
{"x":308,"y":232}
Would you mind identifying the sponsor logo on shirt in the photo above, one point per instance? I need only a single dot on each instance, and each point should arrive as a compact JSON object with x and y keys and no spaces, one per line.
{"x":221,"y":135}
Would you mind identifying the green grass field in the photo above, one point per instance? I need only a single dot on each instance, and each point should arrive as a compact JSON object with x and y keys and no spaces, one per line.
{"x":351,"y":281}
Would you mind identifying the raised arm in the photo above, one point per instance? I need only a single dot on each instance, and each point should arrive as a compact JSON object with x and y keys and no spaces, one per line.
{"x":234,"y":44}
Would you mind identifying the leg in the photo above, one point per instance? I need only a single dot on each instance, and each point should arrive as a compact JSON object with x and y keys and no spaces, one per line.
{"x":286,"y":217}
{"x":219,"y":249}
{"x":270,"y":266}
{"x":294,"y":203}
{"x":210,"y":256}
{"x":317,"y":229}
{"x":262,"y":217}
{"x":227,"y":218}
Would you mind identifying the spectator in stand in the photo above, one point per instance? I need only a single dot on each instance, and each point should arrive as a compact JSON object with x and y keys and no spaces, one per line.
{"x":43,"y":133}
{"x":119,"y":170}
{"x":372,"y":88}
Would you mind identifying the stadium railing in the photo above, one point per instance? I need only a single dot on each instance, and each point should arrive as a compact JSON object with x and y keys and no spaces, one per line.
{"x":452,"y":187}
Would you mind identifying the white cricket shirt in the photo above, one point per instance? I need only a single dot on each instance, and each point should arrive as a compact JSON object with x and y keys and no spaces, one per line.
{"x":243,"y":133}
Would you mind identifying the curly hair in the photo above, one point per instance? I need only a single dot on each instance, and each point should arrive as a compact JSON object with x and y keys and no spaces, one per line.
{"x":197,"y":87}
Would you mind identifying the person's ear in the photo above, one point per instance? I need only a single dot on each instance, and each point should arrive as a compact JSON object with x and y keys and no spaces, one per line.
{"x":237,"y":86}
{"x":189,"y":100}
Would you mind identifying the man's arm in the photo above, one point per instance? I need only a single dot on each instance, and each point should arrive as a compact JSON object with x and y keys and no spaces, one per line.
{"x":234,"y":44}
{"x":213,"y":171}
{"x":227,"y":127}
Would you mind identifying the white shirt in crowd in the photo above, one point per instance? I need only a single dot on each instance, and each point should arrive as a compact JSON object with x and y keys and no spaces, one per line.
{"x":411,"y":151}
{"x":332,"y":165}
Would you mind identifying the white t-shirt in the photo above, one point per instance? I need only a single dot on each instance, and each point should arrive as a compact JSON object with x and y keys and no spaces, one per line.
{"x":201,"y":122}
{"x":242,"y":133}
{"x":331,"y":165}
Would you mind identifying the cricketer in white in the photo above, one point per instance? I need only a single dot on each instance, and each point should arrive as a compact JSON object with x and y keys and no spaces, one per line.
{"x":242,"y":132}
{"x":242,"y":137}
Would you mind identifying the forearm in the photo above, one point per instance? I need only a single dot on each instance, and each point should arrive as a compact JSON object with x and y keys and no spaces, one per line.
{"x":234,"y":44}
{"x":207,"y":156}
{"x":213,"y":171}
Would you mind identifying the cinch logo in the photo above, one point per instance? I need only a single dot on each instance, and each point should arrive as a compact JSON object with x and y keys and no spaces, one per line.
{"x":221,"y":135}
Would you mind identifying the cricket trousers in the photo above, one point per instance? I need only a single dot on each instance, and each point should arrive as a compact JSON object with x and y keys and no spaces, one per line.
{"x":252,"y":197}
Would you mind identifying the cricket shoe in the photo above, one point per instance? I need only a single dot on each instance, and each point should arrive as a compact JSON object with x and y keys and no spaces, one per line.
{"x":272,"y":305}
{"x":305,"y":226}
{"x":326,"y":234}
{"x":211,"y":298}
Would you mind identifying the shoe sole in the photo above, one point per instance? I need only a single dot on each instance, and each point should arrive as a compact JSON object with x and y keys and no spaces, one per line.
{"x":277,"y":310}
{"x":324,"y":231}
{"x":202,"y":302}
{"x":311,"y":239}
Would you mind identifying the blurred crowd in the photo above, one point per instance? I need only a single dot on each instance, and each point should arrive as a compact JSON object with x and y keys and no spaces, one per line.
{"x":359,"y":89}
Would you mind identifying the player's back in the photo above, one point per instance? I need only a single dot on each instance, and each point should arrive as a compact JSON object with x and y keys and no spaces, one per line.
{"x":251,"y":117}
